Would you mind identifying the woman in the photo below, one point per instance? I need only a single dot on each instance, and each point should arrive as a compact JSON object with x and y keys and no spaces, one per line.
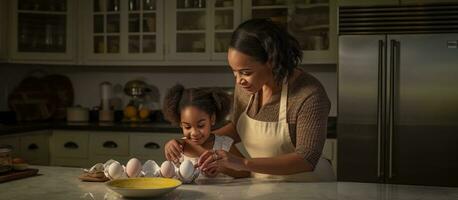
{"x":280,"y":112}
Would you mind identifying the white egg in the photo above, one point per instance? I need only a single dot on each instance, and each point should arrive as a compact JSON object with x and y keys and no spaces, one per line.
{"x":186,"y":169}
{"x":167,"y":169}
{"x":151,"y":169}
{"x":133,"y":167}
{"x":115,"y":171}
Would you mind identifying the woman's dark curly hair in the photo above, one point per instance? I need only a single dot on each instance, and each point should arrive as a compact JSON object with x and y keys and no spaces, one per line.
{"x":265,"y":41}
{"x":211,"y":101}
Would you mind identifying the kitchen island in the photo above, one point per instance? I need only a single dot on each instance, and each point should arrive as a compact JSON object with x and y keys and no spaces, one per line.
{"x":62,"y":183}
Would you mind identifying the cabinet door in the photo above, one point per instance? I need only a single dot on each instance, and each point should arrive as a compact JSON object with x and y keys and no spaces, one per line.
{"x":13,"y":142}
{"x":35,"y":148}
{"x":3,"y":21}
{"x":410,"y":2}
{"x":226,"y":16}
{"x":123,"y":30}
{"x":42,"y":30}
{"x":109,"y":143}
{"x":70,"y":144}
{"x":312,"y":23}
{"x":188,"y":24}
{"x":150,"y":146}
{"x":368,"y":3}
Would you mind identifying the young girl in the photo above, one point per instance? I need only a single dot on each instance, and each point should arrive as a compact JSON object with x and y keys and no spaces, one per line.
{"x":196,"y":110}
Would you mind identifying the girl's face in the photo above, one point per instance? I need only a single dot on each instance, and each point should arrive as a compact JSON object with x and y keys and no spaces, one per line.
{"x":249,"y":73}
{"x":196,"y":124}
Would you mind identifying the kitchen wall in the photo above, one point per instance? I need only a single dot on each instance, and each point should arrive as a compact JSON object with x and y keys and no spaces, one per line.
{"x":86,"y":79}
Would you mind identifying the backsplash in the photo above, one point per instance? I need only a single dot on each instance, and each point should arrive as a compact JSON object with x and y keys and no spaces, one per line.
{"x":86,"y":80}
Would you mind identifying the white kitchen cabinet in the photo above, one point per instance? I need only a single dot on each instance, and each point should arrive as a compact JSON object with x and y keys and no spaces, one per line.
{"x":70,"y":148}
{"x":200,"y":30}
{"x":122,"y":30}
{"x":312,"y":23}
{"x":13,"y":142}
{"x":109,"y":143}
{"x":368,"y":3}
{"x":390,"y":2}
{"x":42,"y":31}
{"x":35,"y":148}
{"x":3,"y":25}
{"x":413,"y":2}
{"x":149,"y":146}
{"x":31,"y":146}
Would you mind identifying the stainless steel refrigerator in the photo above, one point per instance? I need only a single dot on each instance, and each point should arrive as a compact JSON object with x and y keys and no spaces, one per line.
{"x":398,"y":95}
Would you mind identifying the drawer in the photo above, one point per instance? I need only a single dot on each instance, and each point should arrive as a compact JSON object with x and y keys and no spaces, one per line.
{"x":150,"y":145}
{"x":113,"y":143}
{"x":13,"y":142}
{"x":70,"y":144}
{"x":35,"y":149}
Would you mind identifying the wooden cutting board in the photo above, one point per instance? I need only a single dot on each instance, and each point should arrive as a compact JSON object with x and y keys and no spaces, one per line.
{"x":13,"y":175}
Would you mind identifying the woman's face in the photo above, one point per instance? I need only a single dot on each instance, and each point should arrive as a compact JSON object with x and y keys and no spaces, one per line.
{"x":249,"y":73}
{"x":196,"y":124}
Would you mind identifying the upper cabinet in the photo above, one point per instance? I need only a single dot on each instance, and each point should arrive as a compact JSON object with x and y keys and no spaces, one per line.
{"x":368,"y":3}
{"x":312,"y":22}
{"x":410,"y":2}
{"x":390,"y":2}
{"x":3,"y":21}
{"x":123,"y":30}
{"x":156,"y":32}
{"x":42,"y":30}
{"x":200,"y":29}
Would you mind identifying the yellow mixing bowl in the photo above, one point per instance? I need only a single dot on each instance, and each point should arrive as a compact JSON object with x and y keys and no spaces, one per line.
{"x":143,"y":187}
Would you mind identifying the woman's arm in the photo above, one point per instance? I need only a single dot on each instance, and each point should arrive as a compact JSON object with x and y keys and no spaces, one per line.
{"x":286,"y":164}
{"x":232,"y":172}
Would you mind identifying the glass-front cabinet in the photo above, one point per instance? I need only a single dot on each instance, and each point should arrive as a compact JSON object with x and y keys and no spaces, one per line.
{"x":124,"y":30}
{"x":3,"y":21}
{"x":201,"y":29}
{"x":312,"y":22}
{"x":42,"y":30}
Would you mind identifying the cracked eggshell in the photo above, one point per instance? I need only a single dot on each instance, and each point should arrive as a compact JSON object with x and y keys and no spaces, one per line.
{"x":133,"y":167}
{"x":167,"y":169}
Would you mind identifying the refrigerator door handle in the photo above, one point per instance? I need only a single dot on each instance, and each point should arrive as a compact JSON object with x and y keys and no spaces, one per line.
{"x":394,"y":45}
{"x":380,"y":103}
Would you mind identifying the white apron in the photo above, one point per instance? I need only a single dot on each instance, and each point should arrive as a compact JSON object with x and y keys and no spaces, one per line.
{"x":269,"y":139}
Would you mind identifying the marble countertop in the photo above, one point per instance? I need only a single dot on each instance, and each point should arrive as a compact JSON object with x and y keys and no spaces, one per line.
{"x":62,"y":183}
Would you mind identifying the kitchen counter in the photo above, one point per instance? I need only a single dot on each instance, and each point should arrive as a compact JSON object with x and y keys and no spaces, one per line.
{"x":62,"y":183}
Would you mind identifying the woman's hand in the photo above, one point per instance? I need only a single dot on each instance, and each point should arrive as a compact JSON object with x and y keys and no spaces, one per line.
{"x":173,"y":150}
{"x":213,"y":159}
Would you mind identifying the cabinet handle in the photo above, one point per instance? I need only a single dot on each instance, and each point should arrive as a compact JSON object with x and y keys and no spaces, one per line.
{"x":71,"y":145}
{"x":32,"y":147}
{"x":151,"y":145}
{"x":110,"y":145}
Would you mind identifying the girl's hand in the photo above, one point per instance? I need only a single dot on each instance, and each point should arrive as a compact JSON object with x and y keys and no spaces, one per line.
{"x":214,"y":159}
{"x":173,"y":150}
